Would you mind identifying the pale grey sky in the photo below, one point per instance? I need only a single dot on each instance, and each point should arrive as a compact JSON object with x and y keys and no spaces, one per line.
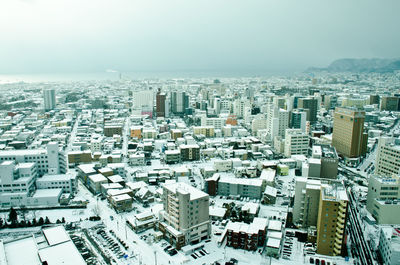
{"x":43,"y":36}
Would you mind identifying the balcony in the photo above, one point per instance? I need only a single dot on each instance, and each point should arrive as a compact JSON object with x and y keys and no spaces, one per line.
{"x":339,"y":230}
{"x":341,"y":218}
{"x":338,"y":238}
{"x":337,"y":251}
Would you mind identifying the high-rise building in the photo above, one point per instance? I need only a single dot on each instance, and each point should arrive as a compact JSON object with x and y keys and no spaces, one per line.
{"x":348,"y":137}
{"x":383,"y":199}
{"x":179,"y":102}
{"x":160,"y":104}
{"x":185,"y":217}
{"x":296,"y":142}
{"x":49,"y":96}
{"x":144,"y":98}
{"x":311,"y":107}
{"x":298,"y":119}
{"x":387,"y":161}
{"x":389,"y":245}
{"x":277,"y":121}
{"x":389,"y":103}
{"x":332,"y":218}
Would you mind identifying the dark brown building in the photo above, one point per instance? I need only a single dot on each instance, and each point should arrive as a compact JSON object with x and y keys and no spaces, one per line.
{"x":160,"y":103}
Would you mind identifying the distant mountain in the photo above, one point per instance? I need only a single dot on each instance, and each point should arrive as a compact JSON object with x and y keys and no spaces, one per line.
{"x":361,"y":65}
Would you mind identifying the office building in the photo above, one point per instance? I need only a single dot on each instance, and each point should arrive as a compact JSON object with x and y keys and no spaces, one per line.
{"x":160,"y":104}
{"x":383,"y":199}
{"x":310,"y":105}
{"x":49,"y":96}
{"x":389,"y":103}
{"x":349,"y":137}
{"x":387,"y":161}
{"x":179,"y":102}
{"x":296,"y":142}
{"x":144,"y":98}
{"x":185,"y":217}
{"x":298,"y":119}
{"x":332,"y":218}
{"x":389,"y":245}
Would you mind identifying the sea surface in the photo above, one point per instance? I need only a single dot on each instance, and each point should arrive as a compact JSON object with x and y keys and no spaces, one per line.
{"x":115,"y":76}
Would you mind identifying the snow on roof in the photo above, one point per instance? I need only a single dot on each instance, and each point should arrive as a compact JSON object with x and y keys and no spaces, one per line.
{"x":115,"y":192}
{"x":241,"y":181}
{"x":87,"y":168}
{"x":251,"y":207}
{"x":61,"y":254}
{"x":58,"y":177}
{"x":12,"y":251}
{"x":97,"y":178}
{"x":185,"y":188}
{"x":273,"y":243}
{"x":55,"y":235}
{"x":136,"y":185}
{"x":271,"y":191}
{"x":275,"y":234}
{"x":275,"y":225}
{"x":122,"y":197}
{"x":45,"y":193}
{"x":115,"y":178}
{"x":23,"y":152}
{"x":268,"y":175}
{"x":217,"y":211}
{"x":111,"y":186}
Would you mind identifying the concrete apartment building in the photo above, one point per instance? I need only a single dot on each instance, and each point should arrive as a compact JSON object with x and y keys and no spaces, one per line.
{"x":387,"y":159}
{"x":49,"y":98}
{"x":296,"y":142}
{"x":190,"y":152}
{"x":349,"y":137}
{"x":207,"y":131}
{"x":252,"y":188}
{"x":51,"y":160}
{"x":332,"y":218}
{"x":383,"y":199}
{"x":246,"y":236}
{"x":185,"y":217}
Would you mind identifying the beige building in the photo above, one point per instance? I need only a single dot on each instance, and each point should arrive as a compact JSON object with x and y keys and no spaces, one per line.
{"x":207,"y":131}
{"x":185,"y":218}
{"x":296,"y":142}
{"x":331,"y":224}
{"x":387,"y":161}
{"x":348,"y":137}
{"x":383,"y":199}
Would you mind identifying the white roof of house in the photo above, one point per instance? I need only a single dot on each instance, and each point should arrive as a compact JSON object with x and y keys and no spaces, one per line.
{"x":55,"y":235}
{"x":97,"y":178}
{"x":275,"y":225}
{"x":45,"y":193}
{"x":217,"y":211}
{"x":122,"y":197}
{"x":273,"y":243}
{"x":61,"y":254}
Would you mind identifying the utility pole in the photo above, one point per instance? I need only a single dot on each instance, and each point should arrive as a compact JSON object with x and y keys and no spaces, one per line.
{"x":155,"y":257}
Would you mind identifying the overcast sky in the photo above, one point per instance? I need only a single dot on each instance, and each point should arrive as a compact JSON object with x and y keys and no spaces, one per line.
{"x":44,"y":36}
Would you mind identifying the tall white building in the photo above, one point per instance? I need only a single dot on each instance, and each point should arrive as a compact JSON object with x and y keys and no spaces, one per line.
{"x":143,"y":98}
{"x":277,"y":121}
{"x":49,"y":97}
{"x":389,"y":245}
{"x":185,"y":218}
{"x":48,"y":161}
{"x":258,"y":123}
{"x":296,"y":142}
{"x":383,"y":199}
{"x":387,"y":159}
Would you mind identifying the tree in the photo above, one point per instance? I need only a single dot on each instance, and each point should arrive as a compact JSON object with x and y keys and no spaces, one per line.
{"x":58,"y":221}
{"x":47,"y":220}
{"x":41,"y":221}
{"x":63,"y":220}
{"x":13,"y":215}
{"x":34,"y":222}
